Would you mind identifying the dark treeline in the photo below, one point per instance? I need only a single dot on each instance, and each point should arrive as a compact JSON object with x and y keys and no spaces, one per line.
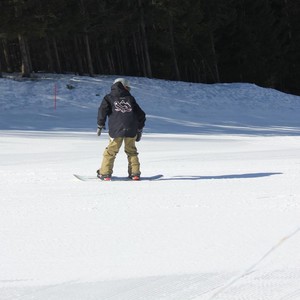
{"x":191,"y":40}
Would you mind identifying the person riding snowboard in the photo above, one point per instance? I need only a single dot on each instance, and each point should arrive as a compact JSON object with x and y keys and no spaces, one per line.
{"x":126,"y":121}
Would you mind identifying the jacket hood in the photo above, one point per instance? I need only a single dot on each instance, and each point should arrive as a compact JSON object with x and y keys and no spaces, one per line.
{"x":117,"y":89}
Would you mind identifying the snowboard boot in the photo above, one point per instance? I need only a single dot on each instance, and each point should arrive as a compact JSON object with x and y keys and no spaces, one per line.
{"x":106,"y":177}
{"x":135,"y":177}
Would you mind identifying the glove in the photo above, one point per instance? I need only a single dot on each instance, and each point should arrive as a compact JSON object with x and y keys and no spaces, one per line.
{"x":139,"y":135}
{"x":99,"y":129}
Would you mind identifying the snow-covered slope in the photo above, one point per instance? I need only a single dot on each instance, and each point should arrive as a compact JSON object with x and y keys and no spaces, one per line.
{"x":223,"y":223}
{"x":172,"y":107}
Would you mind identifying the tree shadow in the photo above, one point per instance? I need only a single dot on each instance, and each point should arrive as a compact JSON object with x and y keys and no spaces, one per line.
{"x":230,"y":176}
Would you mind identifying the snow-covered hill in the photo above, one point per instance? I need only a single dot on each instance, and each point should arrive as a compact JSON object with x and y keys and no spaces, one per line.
{"x":223,"y":223}
{"x":172,"y":107}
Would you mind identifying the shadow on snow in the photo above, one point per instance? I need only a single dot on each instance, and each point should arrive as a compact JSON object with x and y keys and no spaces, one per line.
{"x":230,"y":176}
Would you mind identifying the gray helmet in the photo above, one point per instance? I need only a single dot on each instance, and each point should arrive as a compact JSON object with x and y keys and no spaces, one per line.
{"x":124,"y":81}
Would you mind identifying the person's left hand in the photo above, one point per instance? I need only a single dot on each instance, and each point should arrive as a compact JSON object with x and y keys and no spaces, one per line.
{"x":139,"y":135}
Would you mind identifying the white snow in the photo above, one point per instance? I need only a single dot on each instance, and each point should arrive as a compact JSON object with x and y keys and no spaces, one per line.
{"x":223,"y":223}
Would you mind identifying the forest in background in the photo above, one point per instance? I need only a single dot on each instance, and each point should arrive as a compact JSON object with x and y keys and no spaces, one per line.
{"x":207,"y":41}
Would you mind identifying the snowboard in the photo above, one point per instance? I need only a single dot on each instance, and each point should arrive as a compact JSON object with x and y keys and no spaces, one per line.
{"x":117,"y":178}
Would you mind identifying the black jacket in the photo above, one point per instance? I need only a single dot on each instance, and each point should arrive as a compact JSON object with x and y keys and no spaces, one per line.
{"x":125,"y":117}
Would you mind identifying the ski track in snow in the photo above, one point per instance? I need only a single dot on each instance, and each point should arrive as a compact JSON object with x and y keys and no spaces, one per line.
{"x":223,"y":222}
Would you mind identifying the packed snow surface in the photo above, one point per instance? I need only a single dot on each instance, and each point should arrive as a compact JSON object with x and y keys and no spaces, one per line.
{"x":223,"y":222}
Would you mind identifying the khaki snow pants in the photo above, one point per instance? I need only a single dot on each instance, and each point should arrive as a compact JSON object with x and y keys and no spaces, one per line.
{"x":111,"y":152}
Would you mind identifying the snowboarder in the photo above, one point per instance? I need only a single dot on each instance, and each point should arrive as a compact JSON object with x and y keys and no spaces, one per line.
{"x":126,"y":121}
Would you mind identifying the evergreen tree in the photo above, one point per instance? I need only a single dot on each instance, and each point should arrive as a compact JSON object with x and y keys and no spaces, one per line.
{"x":292,"y":13}
{"x":192,"y":40}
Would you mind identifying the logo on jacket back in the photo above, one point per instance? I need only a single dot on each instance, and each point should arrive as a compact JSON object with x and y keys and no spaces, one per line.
{"x":122,"y":106}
